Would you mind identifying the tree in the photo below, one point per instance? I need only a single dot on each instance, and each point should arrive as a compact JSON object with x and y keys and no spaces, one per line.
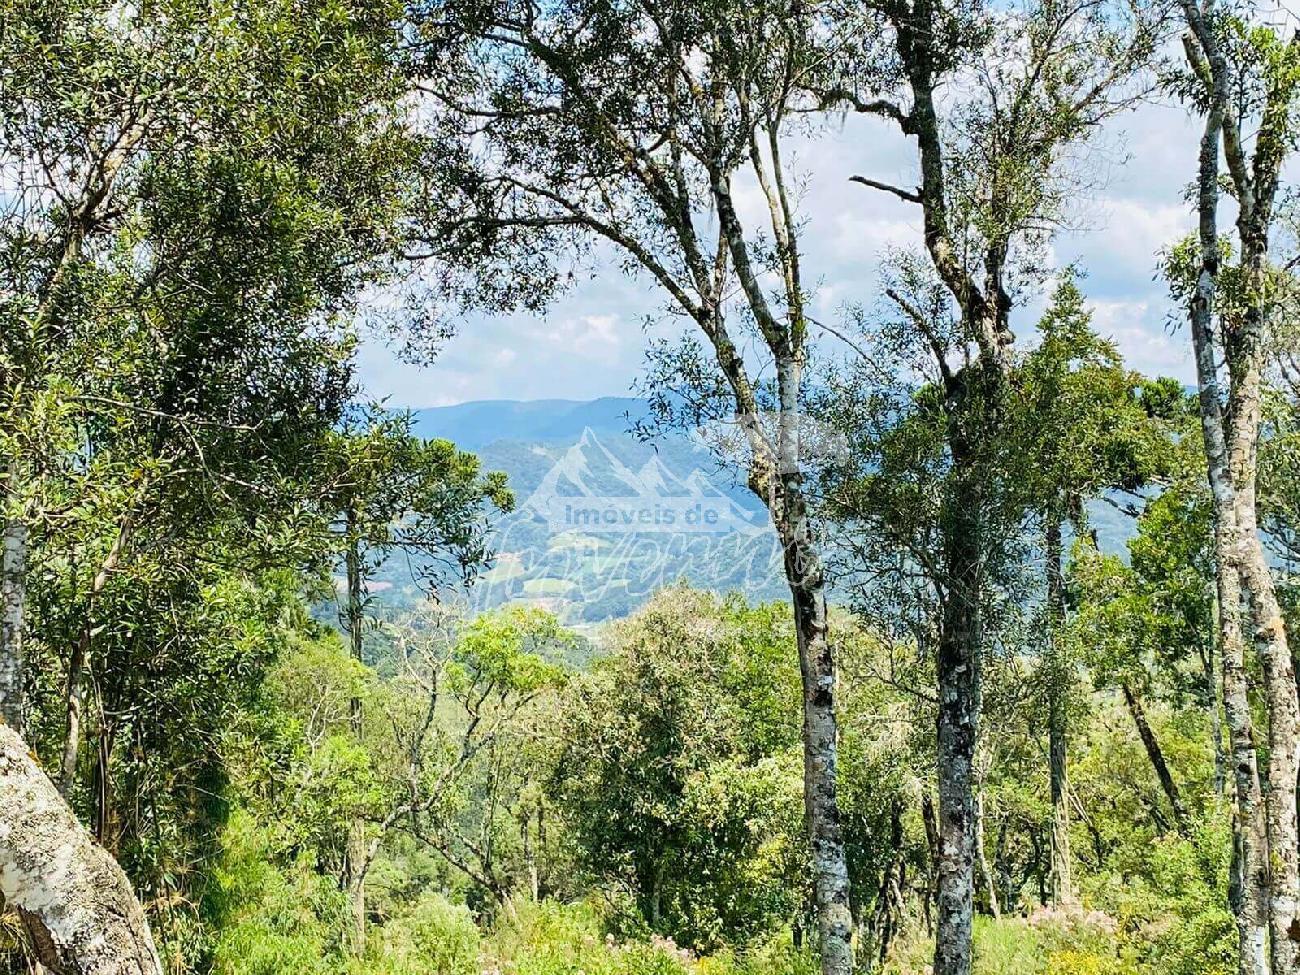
{"x":436,"y":762}
{"x":984,"y":221}
{"x":630,"y":124}
{"x":185,"y":228}
{"x":1087,"y":429}
{"x":474,"y":792}
{"x":75,"y":901}
{"x":391,"y":492}
{"x":1121,"y":628}
{"x":139,"y":151}
{"x":675,"y":771}
{"x":1243,"y":78}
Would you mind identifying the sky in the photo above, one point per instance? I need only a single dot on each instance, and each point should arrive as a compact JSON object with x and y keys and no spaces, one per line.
{"x":591,"y":342}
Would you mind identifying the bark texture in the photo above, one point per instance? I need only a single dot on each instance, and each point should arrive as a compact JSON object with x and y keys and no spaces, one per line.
{"x":776,"y":478}
{"x":973,"y":394}
{"x":13,"y":593}
{"x":1265,"y":886}
{"x":958,"y":666}
{"x":75,"y":900}
{"x":821,"y":806}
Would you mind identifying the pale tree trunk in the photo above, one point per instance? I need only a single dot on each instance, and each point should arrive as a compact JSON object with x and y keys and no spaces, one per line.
{"x":1284,"y":739}
{"x":74,"y":899}
{"x":356,"y":852}
{"x":73,"y":702}
{"x":1255,"y":181}
{"x":1267,"y":628}
{"x":776,"y":477}
{"x":13,"y":594}
{"x":981,"y":854}
{"x":973,"y":397}
{"x":817,"y":668}
{"x":1249,"y":882}
{"x":1058,"y":677}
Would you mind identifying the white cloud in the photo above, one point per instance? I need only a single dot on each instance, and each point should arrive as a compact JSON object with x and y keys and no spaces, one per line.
{"x":591,"y":342}
{"x":1140,"y":329}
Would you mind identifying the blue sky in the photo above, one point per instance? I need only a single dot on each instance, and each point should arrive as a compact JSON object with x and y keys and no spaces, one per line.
{"x":590,"y":342}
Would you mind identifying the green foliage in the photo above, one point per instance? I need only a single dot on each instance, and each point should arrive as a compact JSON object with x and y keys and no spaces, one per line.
{"x":1150,"y":623}
{"x":679,"y":774}
{"x":511,"y":650}
{"x":1174,"y":915}
{"x":272,"y":918}
{"x":693,"y":712}
{"x":1085,"y":421}
{"x":435,"y":936}
{"x":387,"y":492}
{"x":198,"y":202}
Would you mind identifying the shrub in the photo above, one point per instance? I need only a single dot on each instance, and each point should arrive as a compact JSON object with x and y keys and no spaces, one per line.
{"x":567,"y":939}
{"x":436,"y":936}
{"x":271,"y":921}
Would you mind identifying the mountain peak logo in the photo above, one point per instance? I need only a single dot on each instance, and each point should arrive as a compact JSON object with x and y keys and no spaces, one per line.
{"x":590,"y":489}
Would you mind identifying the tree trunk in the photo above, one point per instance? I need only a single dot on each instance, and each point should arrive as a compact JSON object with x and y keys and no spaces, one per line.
{"x":1280,"y":693}
{"x":356,"y":853}
{"x":73,"y":700}
{"x":981,"y":853}
{"x":886,"y":912}
{"x":959,"y":666}
{"x":932,"y":847}
{"x":105,"y":834}
{"x":1157,"y":757}
{"x":776,"y":477}
{"x":1062,"y":883}
{"x":820,"y":742}
{"x":13,"y":594}
{"x":1249,"y":882}
{"x":1210,"y":667}
{"x":74,"y":899}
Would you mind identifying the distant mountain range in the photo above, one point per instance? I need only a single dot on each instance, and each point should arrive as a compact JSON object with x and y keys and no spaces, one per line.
{"x":604,"y":519}
{"x":475,"y":425}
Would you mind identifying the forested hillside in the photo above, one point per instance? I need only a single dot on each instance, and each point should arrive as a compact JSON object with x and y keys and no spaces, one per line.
{"x":894,"y":612}
{"x":587,"y":574}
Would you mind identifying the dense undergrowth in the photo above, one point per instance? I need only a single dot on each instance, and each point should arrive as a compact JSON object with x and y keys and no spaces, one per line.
{"x":289,"y":921}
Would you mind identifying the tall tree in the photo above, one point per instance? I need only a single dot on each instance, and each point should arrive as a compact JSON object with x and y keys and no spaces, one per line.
{"x":679,"y":749}
{"x":192,"y":204}
{"x":1245,"y":78}
{"x":631,"y":123}
{"x":993,"y":181}
{"x":1088,"y":429}
{"x":390,"y":492}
